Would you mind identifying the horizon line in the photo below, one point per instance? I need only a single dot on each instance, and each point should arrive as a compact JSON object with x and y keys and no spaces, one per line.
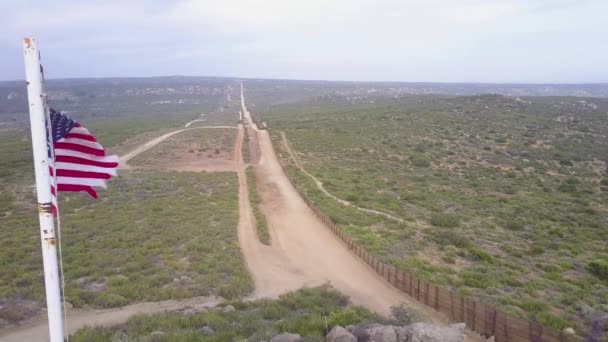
{"x":322,"y":80}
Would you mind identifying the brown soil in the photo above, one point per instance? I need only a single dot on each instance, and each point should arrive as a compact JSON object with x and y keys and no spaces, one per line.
{"x":37,"y":330}
{"x":307,"y":250}
{"x":303,"y":253}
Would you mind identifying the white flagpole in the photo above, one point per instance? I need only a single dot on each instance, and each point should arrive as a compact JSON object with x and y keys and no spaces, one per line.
{"x":33,"y":77}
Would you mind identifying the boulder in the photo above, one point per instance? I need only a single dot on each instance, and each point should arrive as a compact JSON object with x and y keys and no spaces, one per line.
{"x":156,"y":336}
{"x":286,"y":337}
{"x":228,"y":308}
{"x":425,"y":332}
{"x":382,"y":334}
{"x":206,"y":331}
{"x":402,"y":334}
{"x":569,"y":331}
{"x":339,"y":334}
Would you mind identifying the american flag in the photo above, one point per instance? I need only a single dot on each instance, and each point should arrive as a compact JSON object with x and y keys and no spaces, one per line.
{"x":80,"y":162}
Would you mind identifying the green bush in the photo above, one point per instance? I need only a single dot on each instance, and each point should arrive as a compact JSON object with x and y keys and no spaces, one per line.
{"x":345,"y":317}
{"x":482,"y":255}
{"x":599,"y":268}
{"x":420,"y":162}
{"x":110,"y":300}
{"x":450,"y":237}
{"x":569,"y":185}
{"x":445,"y":220}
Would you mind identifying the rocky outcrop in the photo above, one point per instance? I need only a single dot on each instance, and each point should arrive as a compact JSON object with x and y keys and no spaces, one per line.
{"x":286,"y":337}
{"x":417,"y":332}
{"x":424,"y":332}
{"x":339,"y":334}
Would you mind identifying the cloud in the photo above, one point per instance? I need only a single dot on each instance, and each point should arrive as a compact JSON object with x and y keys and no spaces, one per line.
{"x":415,"y":40}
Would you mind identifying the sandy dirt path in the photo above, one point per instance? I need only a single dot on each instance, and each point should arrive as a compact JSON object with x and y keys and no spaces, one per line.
{"x":124,"y":159}
{"x":298,"y":163}
{"x":269,"y":267}
{"x":37,"y":330}
{"x":312,"y":249}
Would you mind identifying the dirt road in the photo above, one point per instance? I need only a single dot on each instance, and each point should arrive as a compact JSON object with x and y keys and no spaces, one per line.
{"x":37,"y":330}
{"x":310,"y":249}
{"x":269,"y":267}
{"x":123,"y":162}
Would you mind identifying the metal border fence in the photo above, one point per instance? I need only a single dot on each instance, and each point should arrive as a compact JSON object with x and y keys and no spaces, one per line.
{"x":479,"y":317}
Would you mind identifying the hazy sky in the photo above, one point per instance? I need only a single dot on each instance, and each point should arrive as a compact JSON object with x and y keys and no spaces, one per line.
{"x":400,"y":40}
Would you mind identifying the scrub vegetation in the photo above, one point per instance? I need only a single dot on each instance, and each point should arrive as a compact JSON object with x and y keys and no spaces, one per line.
{"x":152,"y":235}
{"x":504,"y":198}
{"x":308,"y":312}
{"x":260,"y":220}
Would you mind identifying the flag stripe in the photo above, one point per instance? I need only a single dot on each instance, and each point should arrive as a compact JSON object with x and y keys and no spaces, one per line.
{"x":82,"y":174}
{"x":104,"y":159}
{"x":83,"y":142}
{"x":83,"y":161}
{"x":59,"y":145}
{"x":81,"y":181}
{"x":87,"y":168}
{"x":83,"y":136}
{"x":78,"y":188}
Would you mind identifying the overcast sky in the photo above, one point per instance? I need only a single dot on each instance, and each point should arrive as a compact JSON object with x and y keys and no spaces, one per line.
{"x":400,"y":40}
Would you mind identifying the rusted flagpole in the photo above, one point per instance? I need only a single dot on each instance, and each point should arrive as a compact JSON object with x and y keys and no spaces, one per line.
{"x":33,"y":76}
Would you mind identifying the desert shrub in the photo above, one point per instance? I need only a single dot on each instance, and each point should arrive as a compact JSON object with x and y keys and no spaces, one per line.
{"x":599,"y":268}
{"x":450,"y":237}
{"x":551,"y":320}
{"x":345,"y":317}
{"x":569,"y":185}
{"x":420,"y":162}
{"x":110,"y":300}
{"x":444,"y":220}
{"x":450,"y":250}
{"x":404,"y":315}
{"x":352,"y":197}
{"x":482,"y":255}
{"x":477,"y":279}
{"x":512,"y":224}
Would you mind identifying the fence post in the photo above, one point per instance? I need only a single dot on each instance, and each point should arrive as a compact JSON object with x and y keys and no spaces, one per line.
{"x":507,"y":337}
{"x":494,"y":322}
{"x":462,"y":309}
{"x":426,"y":294}
{"x":474,"y":313}
{"x":418,"y":291}
{"x":436,"y":297}
{"x":389,"y":275}
{"x":452,"y":305}
{"x":411,"y":284}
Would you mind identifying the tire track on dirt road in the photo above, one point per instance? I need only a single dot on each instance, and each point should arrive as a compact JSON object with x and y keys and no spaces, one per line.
{"x":124,"y":159}
{"x":37,"y":329}
{"x":313,"y":249}
{"x":270,"y":269}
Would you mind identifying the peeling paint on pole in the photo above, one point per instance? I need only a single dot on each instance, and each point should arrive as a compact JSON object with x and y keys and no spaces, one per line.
{"x":33,"y":74}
